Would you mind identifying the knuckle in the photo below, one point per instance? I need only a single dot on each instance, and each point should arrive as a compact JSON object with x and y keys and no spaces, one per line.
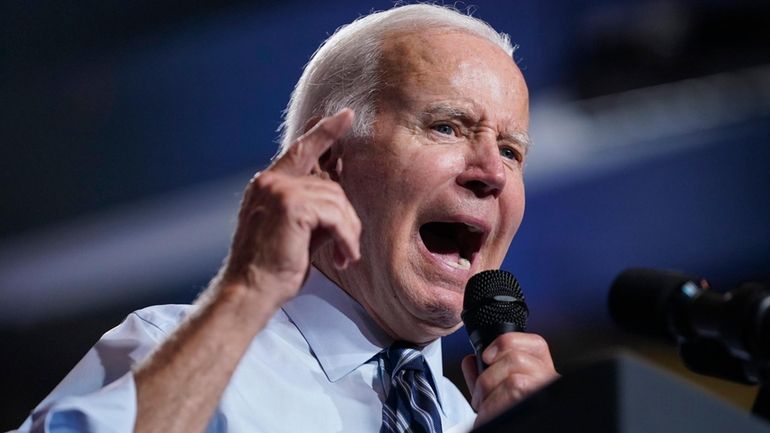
{"x":518,"y":382}
{"x":541,"y":346}
{"x":305,"y":221}
{"x":539,"y":341}
{"x":520,"y":358}
{"x":262,"y":180}
{"x":256,"y":177}
{"x":336,"y":187}
{"x":269,"y":182}
{"x":296,"y":149}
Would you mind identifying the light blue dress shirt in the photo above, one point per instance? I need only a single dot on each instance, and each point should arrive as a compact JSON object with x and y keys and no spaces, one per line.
{"x":313,"y":368}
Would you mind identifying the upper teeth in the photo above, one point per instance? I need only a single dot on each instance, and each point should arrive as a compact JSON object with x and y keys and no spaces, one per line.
{"x":474,"y":229}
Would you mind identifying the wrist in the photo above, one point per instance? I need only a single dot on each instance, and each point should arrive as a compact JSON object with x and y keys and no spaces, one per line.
{"x":251,"y":298}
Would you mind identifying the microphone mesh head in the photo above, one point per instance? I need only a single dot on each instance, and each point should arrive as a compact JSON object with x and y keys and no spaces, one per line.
{"x":493,"y":297}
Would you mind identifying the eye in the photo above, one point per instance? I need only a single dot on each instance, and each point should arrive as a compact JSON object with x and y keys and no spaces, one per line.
{"x":510,"y":153}
{"x":444,"y":129}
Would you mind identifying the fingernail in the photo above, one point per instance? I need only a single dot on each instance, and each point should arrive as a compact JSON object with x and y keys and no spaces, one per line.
{"x":344,"y":112}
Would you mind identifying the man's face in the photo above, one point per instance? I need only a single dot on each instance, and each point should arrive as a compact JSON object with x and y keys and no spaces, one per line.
{"x":439,"y":186}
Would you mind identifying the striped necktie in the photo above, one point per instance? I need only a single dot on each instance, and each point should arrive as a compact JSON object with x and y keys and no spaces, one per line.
{"x":411,"y":405}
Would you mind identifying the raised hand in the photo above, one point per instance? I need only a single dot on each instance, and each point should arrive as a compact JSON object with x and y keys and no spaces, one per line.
{"x":287,"y":212}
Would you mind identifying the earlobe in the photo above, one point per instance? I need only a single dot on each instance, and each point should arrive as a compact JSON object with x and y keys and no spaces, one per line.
{"x":329,"y":165}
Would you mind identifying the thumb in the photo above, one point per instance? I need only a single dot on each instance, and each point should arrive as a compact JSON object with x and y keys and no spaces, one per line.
{"x":470,"y":371}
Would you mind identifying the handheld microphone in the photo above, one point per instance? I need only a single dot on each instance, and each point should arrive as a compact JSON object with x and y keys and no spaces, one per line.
{"x":721,"y":334}
{"x":493,"y":305}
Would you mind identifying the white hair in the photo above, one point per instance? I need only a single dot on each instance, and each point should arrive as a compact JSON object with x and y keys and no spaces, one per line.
{"x":344,"y":71}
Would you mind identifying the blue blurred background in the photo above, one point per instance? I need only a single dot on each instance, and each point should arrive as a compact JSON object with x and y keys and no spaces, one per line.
{"x":128,"y":130}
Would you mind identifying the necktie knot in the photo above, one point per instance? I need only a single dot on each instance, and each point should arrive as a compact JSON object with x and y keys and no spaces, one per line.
{"x":400,"y":357}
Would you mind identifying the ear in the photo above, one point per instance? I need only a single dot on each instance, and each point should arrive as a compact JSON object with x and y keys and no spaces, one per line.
{"x":329,"y":164}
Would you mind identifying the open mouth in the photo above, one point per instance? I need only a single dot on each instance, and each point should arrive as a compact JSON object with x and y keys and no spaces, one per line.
{"x":456,"y":244}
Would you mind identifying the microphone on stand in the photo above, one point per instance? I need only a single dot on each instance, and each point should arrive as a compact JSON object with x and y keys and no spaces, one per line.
{"x":667,"y":303}
{"x":493,"y":305}
{"x":726,"y":335}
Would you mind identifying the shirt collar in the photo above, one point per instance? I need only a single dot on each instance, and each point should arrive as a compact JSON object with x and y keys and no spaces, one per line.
{"x":341,"y":333}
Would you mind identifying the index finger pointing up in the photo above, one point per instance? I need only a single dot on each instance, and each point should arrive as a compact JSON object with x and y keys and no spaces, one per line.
{"x":307,"y":149}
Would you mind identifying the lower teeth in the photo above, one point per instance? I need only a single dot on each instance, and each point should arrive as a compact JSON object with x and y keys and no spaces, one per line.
{"x":462,"y":263}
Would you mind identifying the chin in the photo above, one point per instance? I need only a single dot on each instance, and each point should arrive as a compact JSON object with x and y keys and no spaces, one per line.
{"x":440,"y":315}
{"x":443,"y":317}
{"x":434,"y":328}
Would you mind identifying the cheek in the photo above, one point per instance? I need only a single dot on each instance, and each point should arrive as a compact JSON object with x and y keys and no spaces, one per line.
{"x":432,"y":168}
{"x":512,"y":206}
{"x":378,"y":192}
{"x":408,"y":179}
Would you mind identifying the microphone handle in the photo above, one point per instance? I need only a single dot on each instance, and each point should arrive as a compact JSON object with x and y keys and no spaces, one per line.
{"x":483,"y":336}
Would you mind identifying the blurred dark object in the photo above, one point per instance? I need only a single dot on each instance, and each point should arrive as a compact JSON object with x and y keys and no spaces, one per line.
{"x":722,"y":334}
{"x":632,"y":45}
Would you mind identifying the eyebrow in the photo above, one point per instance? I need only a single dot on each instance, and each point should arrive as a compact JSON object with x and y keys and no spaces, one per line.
{"x":449,"y":110}
{"x":521,"y":138}
{"x":444,"y":109}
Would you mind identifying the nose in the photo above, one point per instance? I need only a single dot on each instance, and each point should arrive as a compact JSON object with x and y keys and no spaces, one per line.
{"x":484,"y":172}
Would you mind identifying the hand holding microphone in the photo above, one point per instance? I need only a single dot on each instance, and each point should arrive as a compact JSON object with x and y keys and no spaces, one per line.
{"x":509,"y":364}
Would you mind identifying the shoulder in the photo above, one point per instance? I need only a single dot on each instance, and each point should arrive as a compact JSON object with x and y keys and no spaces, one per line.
{"x":139,"y":334}
{"x":163,"y":319}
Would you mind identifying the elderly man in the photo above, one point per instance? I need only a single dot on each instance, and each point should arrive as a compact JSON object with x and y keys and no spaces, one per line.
{"x":400,"y":176}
